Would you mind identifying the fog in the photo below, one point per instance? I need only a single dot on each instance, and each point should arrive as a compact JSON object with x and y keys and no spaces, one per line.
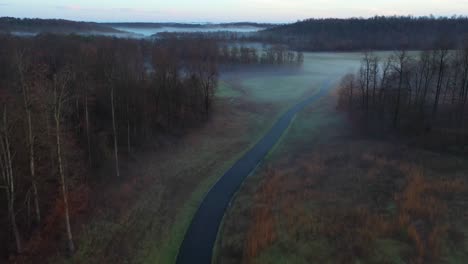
{"x":288,"y":84}
{"x":146,"y":32}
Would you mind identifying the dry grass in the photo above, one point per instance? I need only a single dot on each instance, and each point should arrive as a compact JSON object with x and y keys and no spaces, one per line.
{"x":423,"y":207}
{"x":343,"y":204}
{"x":261,"y":232}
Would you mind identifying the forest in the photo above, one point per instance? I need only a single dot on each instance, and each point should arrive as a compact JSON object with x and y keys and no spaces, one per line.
{"x":414,"y":94}
{"x":73,"y":106}
{"x":58,"y":26}
{"x":375,"y":33}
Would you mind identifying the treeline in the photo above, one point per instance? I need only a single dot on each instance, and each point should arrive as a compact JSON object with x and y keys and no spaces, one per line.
{"x":70,"y":104}
{"x":420,"y":94}
{"x":376,"y":33}
{"x":190,"y":25}
{"x":220,"y":36}
{"x":239,"y":49}
{"x":273,"y":54}
{"x":35,"y":25}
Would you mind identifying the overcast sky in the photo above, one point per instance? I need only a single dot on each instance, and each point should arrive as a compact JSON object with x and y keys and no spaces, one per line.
{"x":225,"y":10}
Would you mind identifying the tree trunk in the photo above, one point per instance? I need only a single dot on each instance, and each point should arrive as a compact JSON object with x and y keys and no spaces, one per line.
{"x":49,"y":140}
{"x":7,"y":171}
{"x":14,"y":227}
{"x":129,"y":148}
{"x":88,"y":136}
{"x":351,"y":96}
{"x":32,"y":167}
{"x":58,"y":101}
{"x":27,"y":106}
{"x":71,"y":246}
{"x":463,"y":88}
{"x":439,"y":85}
{"x":397,"y":107}
{"x":116,"y":148}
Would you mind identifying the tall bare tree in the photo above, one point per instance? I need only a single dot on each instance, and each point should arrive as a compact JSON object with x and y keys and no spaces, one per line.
{"x":399,"y":66}
{"x":114,"y":129}
{"x":8,"y":175}
{"x":441,"y":56}
{"x":463,"y":89}
{"x":61,"y":94}
{"x":23,"y":65}
{"x":427,"y":69}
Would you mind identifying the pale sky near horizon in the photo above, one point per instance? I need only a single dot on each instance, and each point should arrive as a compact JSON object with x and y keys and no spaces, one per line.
{"x":224,"y":10}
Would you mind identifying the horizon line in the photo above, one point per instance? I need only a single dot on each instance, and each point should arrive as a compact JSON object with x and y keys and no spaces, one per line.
{"x":454,"y":16}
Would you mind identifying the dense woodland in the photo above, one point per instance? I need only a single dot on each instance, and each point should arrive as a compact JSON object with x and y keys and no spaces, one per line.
{"x":34,"y":25}
{"x":71,"y":104}
{"x":423,"y":94}
{"x":377,"y":33}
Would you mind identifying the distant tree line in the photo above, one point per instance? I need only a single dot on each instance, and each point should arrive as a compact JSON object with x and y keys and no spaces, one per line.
{"x":220,"y":36}
{"x":11,"y":24}
{"x":273,"y":54}
{"x":189,"y":25}
{"x":70,"y":104}
{"x":419,"y":94}
{"x":376,"y":33}
{"x":235,"y":49}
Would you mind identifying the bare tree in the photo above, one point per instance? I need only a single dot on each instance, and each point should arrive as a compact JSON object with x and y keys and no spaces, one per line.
{"x":207,"y":74}
{"x":441,"y":56}
{"x":399,"y":66}
{"x":463,"y":89}
{"x":22,"y":64}
{"x":365,"y":81}
{"x":384,"y":81}
{"x":374,"y":71}
{"x":88,"y":134}
{"x":427,"y":69}
{"x":8,"y":176}
{"x":114,"y":130}
{"x":61,"y":83}
{"x":129,"y":146}
{"x":347,"y":89}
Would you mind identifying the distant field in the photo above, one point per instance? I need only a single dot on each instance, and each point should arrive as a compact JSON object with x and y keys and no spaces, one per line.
{"x":288,"y":85}
{"x":325,"y":195}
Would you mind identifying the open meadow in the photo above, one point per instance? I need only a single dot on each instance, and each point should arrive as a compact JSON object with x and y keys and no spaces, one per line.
{"x":328,"y":194}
